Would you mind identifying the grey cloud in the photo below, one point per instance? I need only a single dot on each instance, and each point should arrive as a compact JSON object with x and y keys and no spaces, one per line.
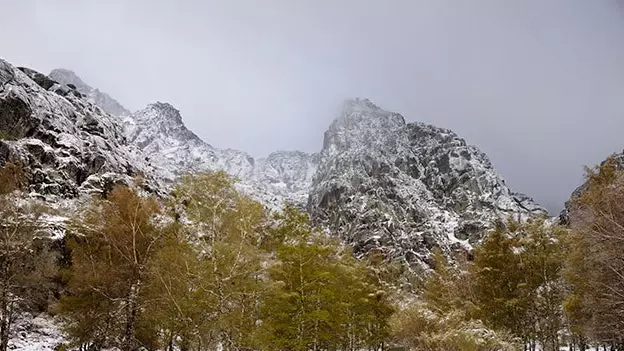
{"x":536,"y":84}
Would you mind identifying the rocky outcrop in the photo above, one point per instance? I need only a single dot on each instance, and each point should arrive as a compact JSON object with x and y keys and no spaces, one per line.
{"x":63,"y":140}
{"x":405,"y":188}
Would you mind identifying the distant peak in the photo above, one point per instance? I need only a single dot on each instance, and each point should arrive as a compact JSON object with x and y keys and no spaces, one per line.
{"x":67,"y":77}
{"x":358,"y":104}
{"x":357,"y":112}
{"x":160,"y":111}
{"x":165,"y":106}
{"x":64,"y":71}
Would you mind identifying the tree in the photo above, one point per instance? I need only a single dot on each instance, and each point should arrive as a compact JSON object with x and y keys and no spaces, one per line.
{"x":517,"y":283}
{"x":321,"y":297}
{"x":206,"y":284}
{"x":112,"y":243}
{"x":417,"y":327}
{"x":448,"y":288}
{"x":26,"y":261}
{"x":595,"y":267}
{"x":500,"y":287}
{"x":542,"y":259}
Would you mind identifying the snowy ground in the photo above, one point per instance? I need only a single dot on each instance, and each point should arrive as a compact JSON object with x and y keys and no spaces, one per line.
{"x":34,"y":334}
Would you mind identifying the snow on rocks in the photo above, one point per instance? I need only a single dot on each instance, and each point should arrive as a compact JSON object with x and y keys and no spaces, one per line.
{"x":405,"y":188}
{"x":381,"y":183}
{"x":59,"y":136}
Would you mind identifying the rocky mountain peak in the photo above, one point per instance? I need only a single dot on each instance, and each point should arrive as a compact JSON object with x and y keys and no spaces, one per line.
{"x":103,"y":100}
{"x":163,"y":114}
{"x":66,"y":76}
{"x":406,"y":188}
{"x":361,"y":123}
{"x":158,"y":121}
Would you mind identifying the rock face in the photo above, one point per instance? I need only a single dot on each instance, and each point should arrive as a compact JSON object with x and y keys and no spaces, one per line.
{"x":379,"y":182}
{"x":172,"y":149}
{"x":107,"y":103}
{"x":405,"y":188}
{"x":67,"y":144}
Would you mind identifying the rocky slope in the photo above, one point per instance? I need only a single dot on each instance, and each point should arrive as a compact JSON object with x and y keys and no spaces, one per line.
{"x":405,"y":188}
{"x":381,"y":183}
{"x":172,"y":149}
{"x":67,"y":144}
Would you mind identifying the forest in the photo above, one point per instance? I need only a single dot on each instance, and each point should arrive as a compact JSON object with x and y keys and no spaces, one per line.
{"x":208,"y":268}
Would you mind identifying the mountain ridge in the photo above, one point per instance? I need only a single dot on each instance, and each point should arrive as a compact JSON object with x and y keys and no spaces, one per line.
{"x":379,"y":182}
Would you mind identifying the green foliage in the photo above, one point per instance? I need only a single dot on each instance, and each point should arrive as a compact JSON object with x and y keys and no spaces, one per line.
{"x":111,"y":243}
{"x":207,"y":280}
{"x":321,"y":298}
{"x":216,"y":272}
{"x":516,"y":281}
{"x":420,"y":328}
{"x":6,"y":136}
{"x":595,"y":263}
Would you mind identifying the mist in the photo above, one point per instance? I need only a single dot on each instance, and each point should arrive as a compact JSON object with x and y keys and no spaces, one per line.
{"x":537,"y":85}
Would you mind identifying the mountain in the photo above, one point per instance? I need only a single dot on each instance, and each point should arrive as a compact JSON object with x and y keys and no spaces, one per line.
{"x":107,"y":103}
{"x":380,"y":183}
{"x":158,"y":131}
{"x":404,"y":188}
{"x":67,"y":144}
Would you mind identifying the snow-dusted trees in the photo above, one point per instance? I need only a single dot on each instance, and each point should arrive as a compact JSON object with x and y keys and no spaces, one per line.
{"x":510,"y":294}
{"x":321,"y":298}
{"x":207,"y":282}
{"x":517,"y":282}
{"x":26,"y":262}
{"x":112,"y":244}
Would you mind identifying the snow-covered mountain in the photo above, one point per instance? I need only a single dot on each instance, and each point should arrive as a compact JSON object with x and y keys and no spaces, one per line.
{"x":67,"y":144}
{"x":379,"y":182}
{"x":405,"y":188}
{"x":173,"y":149}
{"x":107,"y":103}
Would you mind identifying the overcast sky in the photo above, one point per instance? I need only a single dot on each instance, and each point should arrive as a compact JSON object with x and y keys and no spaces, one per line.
{"x":537,"y":84}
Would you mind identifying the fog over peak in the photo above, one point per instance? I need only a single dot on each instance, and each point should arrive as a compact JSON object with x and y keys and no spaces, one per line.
{"x":536,"y":84}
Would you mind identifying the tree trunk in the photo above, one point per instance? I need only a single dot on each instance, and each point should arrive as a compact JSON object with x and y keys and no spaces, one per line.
{"x":128,"y":342}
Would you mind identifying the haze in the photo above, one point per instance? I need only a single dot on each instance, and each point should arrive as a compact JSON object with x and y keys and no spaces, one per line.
{"x":537,"y":85}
